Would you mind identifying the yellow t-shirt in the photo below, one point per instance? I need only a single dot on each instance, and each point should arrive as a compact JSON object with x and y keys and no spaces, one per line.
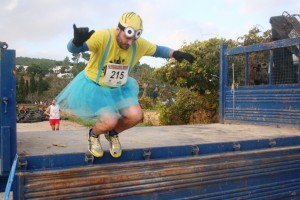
{"x":97,"y":44}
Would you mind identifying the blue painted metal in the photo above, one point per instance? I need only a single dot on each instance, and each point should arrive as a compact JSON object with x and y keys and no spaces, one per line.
{"x":45,"y":162}
{"x":278,"y":104}
{"x":6,"y":149}
{"x":256,"y":170}
{"x":271,"y":71}
{"x":261,"y":104}
{"x":7,"y":110}
{"x":10,"y":178}
{"x":222,"y":81}
{"x":246,"y":69}
{"x":3,"y":182}
{"x":263,"y":46}
{"x":299,"y":65}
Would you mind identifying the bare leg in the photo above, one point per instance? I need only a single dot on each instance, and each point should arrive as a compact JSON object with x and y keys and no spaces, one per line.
{"x":106,"y":123}
{"x":132,"y":116}
{"x":53,"y":127}
{"x":57,"y":127}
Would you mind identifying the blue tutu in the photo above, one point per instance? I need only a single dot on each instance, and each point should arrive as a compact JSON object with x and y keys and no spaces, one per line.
{"x":88,"y":100}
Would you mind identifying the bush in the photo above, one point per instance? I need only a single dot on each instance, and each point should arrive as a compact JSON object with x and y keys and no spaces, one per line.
{"x":146,"y":102}
{"x":190,"y":108}
{"x":180,"y":112}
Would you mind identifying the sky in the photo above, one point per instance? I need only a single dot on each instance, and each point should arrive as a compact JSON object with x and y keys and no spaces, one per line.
{"x":42,"y":28}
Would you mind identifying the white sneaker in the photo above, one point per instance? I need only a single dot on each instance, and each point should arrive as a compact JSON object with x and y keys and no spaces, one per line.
{"x":95,"y":146}
{"x":115,"y":146}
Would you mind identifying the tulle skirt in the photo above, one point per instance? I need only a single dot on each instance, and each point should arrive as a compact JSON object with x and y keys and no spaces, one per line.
{"x":88,"y":100}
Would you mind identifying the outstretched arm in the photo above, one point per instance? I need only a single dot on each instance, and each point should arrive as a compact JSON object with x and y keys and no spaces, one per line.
{"x":81,"y":35}
{"x":165,"y":52}
{"x":73,"y":49}
{"x":180,"y":56}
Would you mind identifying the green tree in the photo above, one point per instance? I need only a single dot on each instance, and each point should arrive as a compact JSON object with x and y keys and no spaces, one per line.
{"x":21,"y":94}
{"x":36,"y":69}
{"x":85,"y":56}
{"x":59,"y":63}
{"x":56,"y":85}
{"x":64,"y":69}
{"x":255,"y":36}
{"x":26,"y":87}
{"x":42,"y":86}
{"x":66,"y":62}
{"x":180,"y":112}
{"x":46,"y":63}
{"x":201,"y":77}
{"x":77,"y":66}
{"x":142,"y":73}
{"x":20,"y":69}
{"x":75,"y":58}
{"x":148,"y":81}
{"x":33,"y":85}
{"x":37,"y":66}
{"x":77,"y":69}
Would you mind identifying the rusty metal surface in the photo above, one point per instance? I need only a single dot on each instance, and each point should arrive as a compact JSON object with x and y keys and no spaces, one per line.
{"x":248,"y":94}
{"x":264,"y":46}
{"x":267,"y":104}
{"x":246,"y":175}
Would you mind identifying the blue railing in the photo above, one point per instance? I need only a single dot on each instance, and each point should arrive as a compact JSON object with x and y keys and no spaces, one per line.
{"x":10,"y":178}
{"x":246,"y":98}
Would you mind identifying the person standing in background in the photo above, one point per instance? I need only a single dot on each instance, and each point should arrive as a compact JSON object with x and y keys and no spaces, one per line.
{"x":53,"y":112}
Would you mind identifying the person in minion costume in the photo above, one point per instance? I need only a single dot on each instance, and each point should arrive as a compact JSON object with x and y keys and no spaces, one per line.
{"x":104,"y":91}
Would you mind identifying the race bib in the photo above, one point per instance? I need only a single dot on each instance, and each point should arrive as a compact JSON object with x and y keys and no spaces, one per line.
{"x":116,"y":75}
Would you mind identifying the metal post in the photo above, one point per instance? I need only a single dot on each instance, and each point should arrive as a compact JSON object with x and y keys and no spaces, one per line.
{"x":8,"y":139}
{"x":222,"y":81}
{"x":246,"y":69}
{"x":271,"y":68}
{"x":10,"y":179}
{"x":299,"y":64}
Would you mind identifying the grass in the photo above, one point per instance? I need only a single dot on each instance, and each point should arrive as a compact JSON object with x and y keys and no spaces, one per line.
{"x":77,"y":120}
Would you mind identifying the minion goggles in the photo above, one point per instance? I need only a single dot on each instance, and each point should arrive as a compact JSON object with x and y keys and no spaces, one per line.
{"x":130,"y":32}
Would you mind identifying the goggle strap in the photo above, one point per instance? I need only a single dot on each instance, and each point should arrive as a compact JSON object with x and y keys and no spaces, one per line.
{"x":121,"y":26}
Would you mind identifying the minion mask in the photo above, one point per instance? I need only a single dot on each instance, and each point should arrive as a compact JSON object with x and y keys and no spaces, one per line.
{"x":132,"y":25}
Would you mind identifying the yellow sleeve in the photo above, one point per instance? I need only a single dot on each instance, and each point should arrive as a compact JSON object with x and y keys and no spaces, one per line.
{"x":145,"y":48}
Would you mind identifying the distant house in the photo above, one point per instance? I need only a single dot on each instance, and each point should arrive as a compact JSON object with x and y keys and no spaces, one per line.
{"x":18,"y":66}
{"x":56,"y":69}
{"x":65,"y":75}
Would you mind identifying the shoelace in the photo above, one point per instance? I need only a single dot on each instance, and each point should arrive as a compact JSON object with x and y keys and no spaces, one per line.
{"x":114,"y":140}
{"x":97,"y":142}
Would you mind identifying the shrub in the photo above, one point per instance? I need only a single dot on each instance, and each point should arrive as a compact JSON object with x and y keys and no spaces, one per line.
{"x":146,"y":102}
{"x":179,"y":112}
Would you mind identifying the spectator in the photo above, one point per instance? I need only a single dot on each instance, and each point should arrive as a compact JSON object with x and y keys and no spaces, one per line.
{"x":53,"y":112}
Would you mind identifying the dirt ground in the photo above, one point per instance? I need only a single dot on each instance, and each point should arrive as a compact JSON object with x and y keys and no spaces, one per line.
{"x":65,"y":125}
